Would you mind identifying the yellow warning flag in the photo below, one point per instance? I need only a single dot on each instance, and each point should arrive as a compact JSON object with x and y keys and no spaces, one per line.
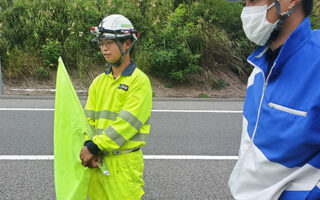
{"x":70,"y":125}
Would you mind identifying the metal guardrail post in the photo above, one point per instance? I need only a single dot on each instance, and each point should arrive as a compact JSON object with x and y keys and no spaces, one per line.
{"x":1,"y":85}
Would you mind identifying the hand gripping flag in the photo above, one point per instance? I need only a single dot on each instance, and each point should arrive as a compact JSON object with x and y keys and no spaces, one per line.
{"x":70,"y":125}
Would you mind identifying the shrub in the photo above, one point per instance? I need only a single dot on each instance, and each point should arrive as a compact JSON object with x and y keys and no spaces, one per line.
{"x":50,"y":53}
{"x":21,"y":64}
{"x":167,"y":85}
{"x":202,"y":95}
{"x":219,"y":84}
{"x":168,"y":50}
{"x":42,"y":73}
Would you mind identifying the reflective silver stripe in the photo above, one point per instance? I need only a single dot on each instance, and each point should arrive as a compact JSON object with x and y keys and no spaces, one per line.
{"x":93,"y":128}
{"x":148,"y":121}
{"x":131,"y":119}
{"x":115,"y":136}
{"x":119,"y":151}
{"x":104,"y":114}
{"x":143,"y":137}
{"x":99,"y":131}
{"x":90,"y":113}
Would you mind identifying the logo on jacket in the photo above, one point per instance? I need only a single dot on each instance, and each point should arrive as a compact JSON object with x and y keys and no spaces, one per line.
{"x":123,"y":87}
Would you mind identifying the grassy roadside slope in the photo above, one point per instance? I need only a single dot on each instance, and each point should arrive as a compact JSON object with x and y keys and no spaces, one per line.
{"x":187,"y":47}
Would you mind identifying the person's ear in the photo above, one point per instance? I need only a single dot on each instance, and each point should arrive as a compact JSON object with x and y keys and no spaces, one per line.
{"x":292,"y":3}
{"x":127,"y":44}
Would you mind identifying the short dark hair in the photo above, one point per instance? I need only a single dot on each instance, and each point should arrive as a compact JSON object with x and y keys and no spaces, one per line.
{"x":307,"y":6}
{"x":122,"y":40}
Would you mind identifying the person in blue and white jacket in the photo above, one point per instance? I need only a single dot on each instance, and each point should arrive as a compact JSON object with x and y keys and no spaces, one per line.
{"x":279,"y":155}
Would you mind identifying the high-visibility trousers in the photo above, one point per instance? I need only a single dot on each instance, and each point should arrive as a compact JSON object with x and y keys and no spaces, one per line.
{"x":125,"y":181}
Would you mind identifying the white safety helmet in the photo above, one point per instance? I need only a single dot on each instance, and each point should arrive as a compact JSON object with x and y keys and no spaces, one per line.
{"x":115,"y":27}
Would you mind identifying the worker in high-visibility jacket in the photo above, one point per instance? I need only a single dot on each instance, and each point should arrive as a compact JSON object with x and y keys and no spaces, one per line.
{"x":118,"y":109}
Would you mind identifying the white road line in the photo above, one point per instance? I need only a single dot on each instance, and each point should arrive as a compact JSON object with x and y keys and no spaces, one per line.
{"x":188,"y":157}
{"x":26,"y":157}
{"x":146,"y":157}
{"x":41,"y":90}
{"x":27,"y":109}
{"x":161,"y":111}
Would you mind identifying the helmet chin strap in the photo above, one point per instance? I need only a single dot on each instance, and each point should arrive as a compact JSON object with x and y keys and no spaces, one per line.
{"x":283,"y":16}
{"x":118,"y":63}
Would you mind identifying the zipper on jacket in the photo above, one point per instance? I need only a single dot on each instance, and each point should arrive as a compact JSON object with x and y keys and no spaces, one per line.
{"x":262,"y":96}
{"x":288,"y":110}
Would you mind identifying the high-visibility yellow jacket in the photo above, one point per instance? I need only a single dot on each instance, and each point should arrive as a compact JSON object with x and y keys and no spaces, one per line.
{"x":119,"y":109}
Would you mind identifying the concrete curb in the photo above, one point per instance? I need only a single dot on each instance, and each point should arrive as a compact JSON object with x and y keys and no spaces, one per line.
{"x":154,"y":99}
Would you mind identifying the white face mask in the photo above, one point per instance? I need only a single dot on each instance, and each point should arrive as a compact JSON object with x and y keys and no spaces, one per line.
{"x":256,"y":25}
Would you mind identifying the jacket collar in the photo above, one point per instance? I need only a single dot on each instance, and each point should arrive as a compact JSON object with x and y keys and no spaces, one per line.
{"x":292,"y":44}
{"x":127,"y":71}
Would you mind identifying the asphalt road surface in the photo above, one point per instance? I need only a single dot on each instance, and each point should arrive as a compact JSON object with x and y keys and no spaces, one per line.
{"x":190,"y":152}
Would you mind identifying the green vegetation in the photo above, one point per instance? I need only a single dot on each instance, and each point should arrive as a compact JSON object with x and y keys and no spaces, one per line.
{"x":219,"y":84}
{"x":178,"y":38}
{"x":168,"y":85}
{"x":50,"y":53}
{"x":315,"y":17}
{"x":202,"y":95}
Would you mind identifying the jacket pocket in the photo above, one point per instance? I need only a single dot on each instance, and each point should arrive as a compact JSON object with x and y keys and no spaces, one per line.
{"x":288,"y":110}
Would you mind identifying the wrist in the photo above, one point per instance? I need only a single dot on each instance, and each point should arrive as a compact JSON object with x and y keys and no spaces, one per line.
{"x":92,"y":147}
{"x":87,"y":142}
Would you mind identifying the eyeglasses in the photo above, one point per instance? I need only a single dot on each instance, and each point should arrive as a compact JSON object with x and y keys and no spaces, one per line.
{"x":106,"y":43}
